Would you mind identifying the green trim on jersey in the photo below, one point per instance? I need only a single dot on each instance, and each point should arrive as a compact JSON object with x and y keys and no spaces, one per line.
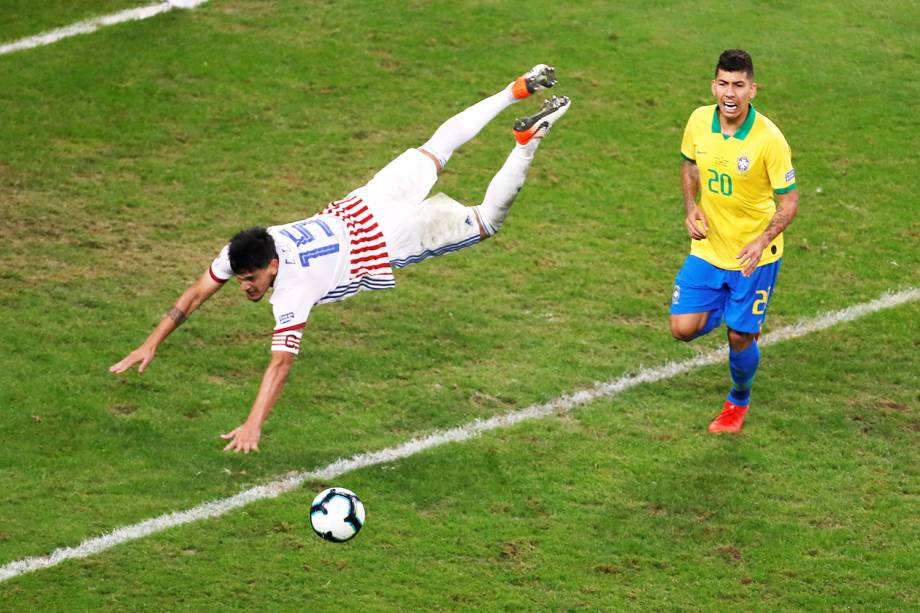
{"x":716,"y":126}
{"x":742,"y":132}
{"x":745,"y":129}
{"x":686,"y":158}
{"x":785,"y":190}
{"x":736,"y":184}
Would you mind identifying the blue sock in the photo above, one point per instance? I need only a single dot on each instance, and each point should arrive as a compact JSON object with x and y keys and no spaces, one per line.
{"x":743,"y":366}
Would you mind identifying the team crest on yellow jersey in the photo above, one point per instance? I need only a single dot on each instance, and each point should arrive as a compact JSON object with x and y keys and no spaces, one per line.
{"x":743,"y":163}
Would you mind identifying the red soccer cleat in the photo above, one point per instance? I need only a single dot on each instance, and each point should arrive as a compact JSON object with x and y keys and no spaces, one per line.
{"x":539,"y":77}
{"x":731,"y":419}
{"x":536,"y":126}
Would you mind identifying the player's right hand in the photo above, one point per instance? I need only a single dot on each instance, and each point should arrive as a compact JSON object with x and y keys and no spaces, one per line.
{"x":696,"y":223}
{"x":142,"y":354}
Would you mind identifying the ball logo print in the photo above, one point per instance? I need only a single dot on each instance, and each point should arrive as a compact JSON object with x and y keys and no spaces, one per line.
{"x":337,"y":514}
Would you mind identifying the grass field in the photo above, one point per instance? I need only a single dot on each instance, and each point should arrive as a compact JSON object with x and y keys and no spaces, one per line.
{"x":130,"y":155}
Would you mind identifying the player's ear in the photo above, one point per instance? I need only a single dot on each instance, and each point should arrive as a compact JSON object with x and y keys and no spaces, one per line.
{"x":753,"y":89}
{"x":713,"y":88}
{"x":273,"y":266}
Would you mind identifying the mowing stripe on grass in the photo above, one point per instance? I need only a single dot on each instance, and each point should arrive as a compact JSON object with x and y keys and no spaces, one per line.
{"x":563,"y":404}
{"x":91,"y":25}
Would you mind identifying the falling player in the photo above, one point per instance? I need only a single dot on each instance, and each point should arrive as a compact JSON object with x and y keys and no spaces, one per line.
{"x":355,"y":243}
{"x":740,"y":161}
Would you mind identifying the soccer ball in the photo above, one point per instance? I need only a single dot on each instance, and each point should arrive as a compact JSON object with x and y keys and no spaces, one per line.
{"x":337,"y":514}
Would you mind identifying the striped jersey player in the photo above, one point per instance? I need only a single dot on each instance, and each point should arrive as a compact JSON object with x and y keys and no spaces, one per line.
{"x":324,"y":258}
{"x":355,"y":243}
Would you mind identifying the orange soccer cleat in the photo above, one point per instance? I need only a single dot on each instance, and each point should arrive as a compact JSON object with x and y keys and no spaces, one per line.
{"x":536,"y":126}
{"x":539,"y":77}
{"x":731,"y":419}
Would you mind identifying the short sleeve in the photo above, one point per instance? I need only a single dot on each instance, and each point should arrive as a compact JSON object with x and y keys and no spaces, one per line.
{"x":291,"y":309}
{"x":220,"y":268}
{"x":778,"y":159}
{"x":687,"y":145}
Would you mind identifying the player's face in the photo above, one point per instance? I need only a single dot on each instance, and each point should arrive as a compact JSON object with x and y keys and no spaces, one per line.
{"x":733,"y":92}
{"x":255,"y":283}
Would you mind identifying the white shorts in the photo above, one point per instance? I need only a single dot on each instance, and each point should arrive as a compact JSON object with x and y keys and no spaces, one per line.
{"x":416,"y":228}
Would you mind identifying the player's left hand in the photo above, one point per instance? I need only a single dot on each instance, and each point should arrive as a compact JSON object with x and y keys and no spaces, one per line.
{"x":749,"y":257}
{"x":245,"y":438}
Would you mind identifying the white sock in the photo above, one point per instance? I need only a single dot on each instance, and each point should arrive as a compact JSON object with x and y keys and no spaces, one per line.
{"x":505,"y":185}
{"x":466,"y":124}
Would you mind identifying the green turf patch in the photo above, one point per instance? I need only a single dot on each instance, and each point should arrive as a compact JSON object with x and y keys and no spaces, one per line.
{"x":626,"y":503}
{"x":25,"y":18}
{"x":130,"y":156}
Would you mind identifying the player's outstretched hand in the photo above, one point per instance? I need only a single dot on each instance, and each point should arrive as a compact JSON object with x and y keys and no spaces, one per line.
{"x":142,"y":354}
{"x":749,"y":257}
{"x":696,"y":223}
{"x":245,"y":438}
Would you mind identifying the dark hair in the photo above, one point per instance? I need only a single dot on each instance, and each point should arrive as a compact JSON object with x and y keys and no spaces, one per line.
{"x":736,"y":60}
{"x":251,"y":249}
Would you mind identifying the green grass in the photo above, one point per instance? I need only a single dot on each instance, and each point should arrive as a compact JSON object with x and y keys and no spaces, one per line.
{"x":130,"y":155}
{"x":625,"y":504}
{"x":22,"y":18}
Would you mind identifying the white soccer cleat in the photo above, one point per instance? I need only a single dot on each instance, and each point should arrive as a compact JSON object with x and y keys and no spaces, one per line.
{"x":539,"y":77}
{"x":536,"y":126}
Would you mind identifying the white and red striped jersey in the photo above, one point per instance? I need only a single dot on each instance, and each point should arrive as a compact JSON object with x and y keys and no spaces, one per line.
{"x":324,"y":258}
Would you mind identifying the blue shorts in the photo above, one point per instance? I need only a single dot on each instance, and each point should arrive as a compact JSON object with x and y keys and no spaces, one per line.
{"x":741,"y":302}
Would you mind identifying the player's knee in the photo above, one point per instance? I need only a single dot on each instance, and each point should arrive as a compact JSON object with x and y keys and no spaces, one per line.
{"x":683,"y":330}
{"x":739,"y":341}
{"x":485,"y":229}
{"x":438,"y":160}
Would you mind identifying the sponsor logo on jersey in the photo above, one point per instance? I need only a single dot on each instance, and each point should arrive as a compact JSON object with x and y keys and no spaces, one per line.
{"x":743,"y":163}
{"x":287,"y":317}
{"x":790,"y":175}
{"x":675,"y":297}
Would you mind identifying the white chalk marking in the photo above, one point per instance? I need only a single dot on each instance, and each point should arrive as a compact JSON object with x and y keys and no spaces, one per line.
{"x":560,"y":405}
{"x":91,"y":25}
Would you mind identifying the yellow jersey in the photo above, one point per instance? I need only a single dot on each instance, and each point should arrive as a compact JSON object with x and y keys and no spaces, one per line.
{"x":738,"y":176}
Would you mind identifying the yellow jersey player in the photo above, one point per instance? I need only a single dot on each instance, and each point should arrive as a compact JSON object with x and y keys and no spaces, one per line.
{"x":739,"y":195}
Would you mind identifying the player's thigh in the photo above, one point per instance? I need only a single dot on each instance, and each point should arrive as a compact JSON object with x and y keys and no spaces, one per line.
{"x":698,"y":288}
{"x":750,"y":297}
{"x":438,"y":226}
{"x":405,"y":180}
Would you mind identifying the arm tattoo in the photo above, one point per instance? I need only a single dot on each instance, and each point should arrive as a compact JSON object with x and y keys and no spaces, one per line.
{"x":781,"y":219}
{"x":176,"y":314}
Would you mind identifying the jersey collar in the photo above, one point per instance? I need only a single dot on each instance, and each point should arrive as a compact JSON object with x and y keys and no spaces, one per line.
{"x":742,"y":132}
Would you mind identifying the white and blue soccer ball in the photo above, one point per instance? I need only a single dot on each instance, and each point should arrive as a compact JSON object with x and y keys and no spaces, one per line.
{"x":337,"y":514}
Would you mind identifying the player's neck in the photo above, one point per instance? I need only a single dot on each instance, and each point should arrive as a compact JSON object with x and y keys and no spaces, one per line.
{"x":730,"y":125}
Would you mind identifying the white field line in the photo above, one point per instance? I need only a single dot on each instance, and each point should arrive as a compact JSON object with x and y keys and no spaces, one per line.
{"x":560,"y":405}
{"x":91,"y":25}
